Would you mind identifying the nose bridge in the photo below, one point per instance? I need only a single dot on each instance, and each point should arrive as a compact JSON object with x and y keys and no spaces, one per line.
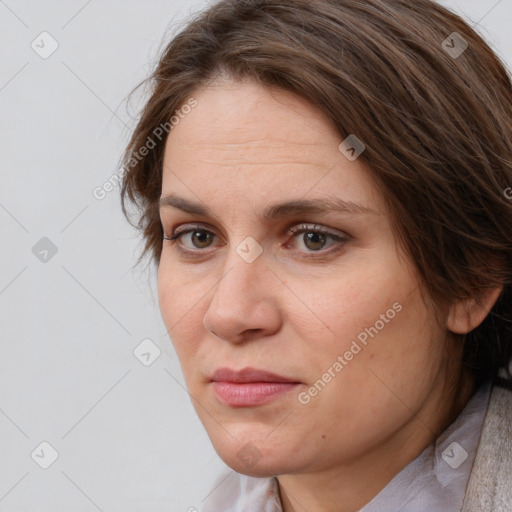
{"x":243,"y":298}
{"x":244,"y":270}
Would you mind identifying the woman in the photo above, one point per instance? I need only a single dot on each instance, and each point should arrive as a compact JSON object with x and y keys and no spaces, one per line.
{"x":325,"y":200}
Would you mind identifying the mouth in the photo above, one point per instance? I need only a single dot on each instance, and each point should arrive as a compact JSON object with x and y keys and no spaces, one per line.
{"x":249,"y":387}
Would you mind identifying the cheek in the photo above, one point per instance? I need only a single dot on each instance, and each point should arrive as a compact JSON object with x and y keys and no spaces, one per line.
{"x":180,"y":307}
{"x":376,"y":320}
{"x":333,"y":312}
{"x":391,"y":372}
{"x":179,"y":292}
{"x":393,"y":334}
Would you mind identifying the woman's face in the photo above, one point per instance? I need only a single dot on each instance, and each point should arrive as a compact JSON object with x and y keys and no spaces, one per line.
{"x":287,"y":264}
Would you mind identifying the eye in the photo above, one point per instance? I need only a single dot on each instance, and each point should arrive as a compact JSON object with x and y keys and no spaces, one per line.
{"x":199,"y":238}
{"x":314,"y":238}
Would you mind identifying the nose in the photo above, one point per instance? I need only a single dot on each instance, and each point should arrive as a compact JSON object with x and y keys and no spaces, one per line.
{"x":245,"y":302}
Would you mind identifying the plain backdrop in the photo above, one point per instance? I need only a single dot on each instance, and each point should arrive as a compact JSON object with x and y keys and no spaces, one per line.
{"x":94,"y":414}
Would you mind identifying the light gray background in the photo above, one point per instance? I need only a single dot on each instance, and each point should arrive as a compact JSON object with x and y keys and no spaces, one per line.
{"x":126,"y":434}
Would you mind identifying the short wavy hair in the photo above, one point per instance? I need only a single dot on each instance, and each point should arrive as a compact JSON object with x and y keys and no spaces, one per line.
{"x":428,"y":97}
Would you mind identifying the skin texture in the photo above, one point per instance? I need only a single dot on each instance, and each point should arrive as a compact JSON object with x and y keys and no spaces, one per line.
{"x":300,"y":304}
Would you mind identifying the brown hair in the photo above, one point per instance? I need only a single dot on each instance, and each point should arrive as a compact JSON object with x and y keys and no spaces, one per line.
{"x":437,"y":127}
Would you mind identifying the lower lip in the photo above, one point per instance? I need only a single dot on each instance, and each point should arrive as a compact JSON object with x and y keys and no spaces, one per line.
{"x":249,"y":394}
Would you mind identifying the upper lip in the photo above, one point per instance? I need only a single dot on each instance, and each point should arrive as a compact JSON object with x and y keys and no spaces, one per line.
{"x":247,"y":375}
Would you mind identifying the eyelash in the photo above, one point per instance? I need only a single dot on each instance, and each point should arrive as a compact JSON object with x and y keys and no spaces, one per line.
{"x":296,"y":230}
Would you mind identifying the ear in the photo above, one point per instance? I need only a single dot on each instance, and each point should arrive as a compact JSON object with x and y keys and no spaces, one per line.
{"x":467,"y":314}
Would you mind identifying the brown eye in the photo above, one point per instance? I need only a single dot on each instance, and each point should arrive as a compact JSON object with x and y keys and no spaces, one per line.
{"x":314,"y":240}
{"x":201,"y":239}
{"x":192,"y":241}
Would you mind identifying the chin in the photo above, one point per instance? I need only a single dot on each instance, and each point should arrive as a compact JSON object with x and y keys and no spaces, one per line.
{"x":255,"y":458}
{"x":263,"y":468}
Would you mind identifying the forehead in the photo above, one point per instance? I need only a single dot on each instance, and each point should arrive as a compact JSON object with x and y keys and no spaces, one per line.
{"x":246,"y":138}
{"x":233,"y":115}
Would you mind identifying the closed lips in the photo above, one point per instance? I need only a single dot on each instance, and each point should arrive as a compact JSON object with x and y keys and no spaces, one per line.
{"x":248,"y":375}
{"x":249,"y":387}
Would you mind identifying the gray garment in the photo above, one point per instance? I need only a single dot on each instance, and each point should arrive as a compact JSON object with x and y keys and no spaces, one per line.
{"x":435,"y":480}
{"x":490,"y":485}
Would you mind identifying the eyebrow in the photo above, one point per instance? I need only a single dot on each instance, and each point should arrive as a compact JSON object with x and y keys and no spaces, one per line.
{"x":278,"y":210}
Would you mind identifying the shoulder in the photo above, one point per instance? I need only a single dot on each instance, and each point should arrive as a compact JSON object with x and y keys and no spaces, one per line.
{"x":489,"y":487}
